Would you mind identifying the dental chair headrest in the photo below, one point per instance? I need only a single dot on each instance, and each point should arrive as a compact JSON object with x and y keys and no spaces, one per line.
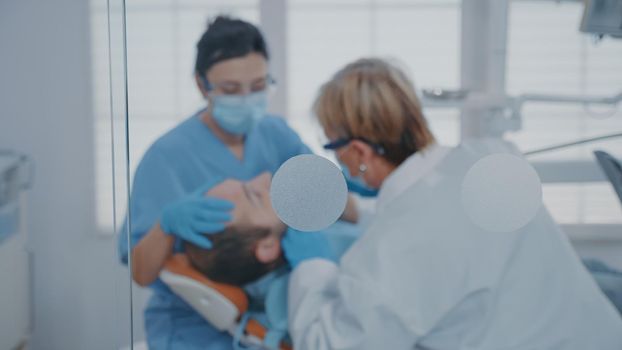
{"x":219,"y":303}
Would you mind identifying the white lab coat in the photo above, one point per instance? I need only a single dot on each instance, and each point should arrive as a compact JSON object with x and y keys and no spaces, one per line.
{"x":423,"y":276}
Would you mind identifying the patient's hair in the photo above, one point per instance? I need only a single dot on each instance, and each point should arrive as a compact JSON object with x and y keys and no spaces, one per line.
{"x":232,"y":257}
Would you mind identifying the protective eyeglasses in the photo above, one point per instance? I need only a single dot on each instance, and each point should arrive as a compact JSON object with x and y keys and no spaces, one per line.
{"x":233,"y":88}
{"x":342,"y":142}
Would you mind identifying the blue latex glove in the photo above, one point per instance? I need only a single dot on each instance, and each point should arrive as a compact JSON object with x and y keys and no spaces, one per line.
{"x":300,"y":246}
{"x":194,"y":216}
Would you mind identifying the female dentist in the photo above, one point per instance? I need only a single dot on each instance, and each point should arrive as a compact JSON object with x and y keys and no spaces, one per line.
{"x":424,"y":276}
{"x":231,"y":138}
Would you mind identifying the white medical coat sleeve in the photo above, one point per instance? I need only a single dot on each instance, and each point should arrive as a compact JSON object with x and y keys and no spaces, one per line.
{"x":331,"y":310}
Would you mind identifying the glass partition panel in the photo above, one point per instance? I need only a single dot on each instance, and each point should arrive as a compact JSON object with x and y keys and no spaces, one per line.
{"x":215,"y":194}
{"x":196,"y":117}
{"x":164,"y":106}
{"x":109,"y":79}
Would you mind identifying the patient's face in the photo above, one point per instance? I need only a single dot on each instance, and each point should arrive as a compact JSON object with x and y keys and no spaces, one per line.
{"x":253,"y":208}
{"x":250,"y":246}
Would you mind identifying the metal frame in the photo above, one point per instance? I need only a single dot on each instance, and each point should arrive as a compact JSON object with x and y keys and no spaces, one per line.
{"x":488,"y":111}
{"x":483,"y":63}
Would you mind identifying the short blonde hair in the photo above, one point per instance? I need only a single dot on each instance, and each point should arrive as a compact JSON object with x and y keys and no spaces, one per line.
{"x":374,"y":100}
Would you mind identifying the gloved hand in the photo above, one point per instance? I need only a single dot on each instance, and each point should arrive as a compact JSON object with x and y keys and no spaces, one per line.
{"x":195,"y":215}
{"x":300,"y":246}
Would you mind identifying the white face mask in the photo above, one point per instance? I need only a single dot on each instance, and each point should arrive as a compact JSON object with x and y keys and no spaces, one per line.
{"x":238,"y":114}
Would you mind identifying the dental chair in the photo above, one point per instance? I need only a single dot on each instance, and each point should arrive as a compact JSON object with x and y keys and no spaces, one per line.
{"x":609,"y":279}
{"x":223,"y":306}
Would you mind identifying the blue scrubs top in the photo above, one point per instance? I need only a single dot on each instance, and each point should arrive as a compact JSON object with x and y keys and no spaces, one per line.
{"x":180,"y":161}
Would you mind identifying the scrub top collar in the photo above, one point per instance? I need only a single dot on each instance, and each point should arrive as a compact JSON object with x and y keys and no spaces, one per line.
{"x":233,"y":161}
{"x":410,"y":171}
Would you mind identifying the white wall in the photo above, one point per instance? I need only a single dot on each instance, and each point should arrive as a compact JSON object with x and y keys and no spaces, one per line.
{"x":80,"y":299}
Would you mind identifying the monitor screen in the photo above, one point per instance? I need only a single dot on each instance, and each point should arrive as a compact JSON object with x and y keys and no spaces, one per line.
{"x":603,"y":17}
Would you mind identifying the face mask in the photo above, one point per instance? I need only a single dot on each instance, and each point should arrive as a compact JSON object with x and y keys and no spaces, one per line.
{"x":237,"y":114}
{"x":357,"y":185}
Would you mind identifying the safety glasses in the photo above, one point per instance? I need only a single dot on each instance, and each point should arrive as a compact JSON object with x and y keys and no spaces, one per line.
{"x":342,"y":142}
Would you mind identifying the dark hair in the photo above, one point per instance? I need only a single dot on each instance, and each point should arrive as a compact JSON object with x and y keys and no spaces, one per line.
{"x":227,"y":38}
{"x":232,"y":257}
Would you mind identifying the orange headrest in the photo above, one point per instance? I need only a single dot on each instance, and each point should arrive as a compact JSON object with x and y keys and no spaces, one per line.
{"x":180,"y":265}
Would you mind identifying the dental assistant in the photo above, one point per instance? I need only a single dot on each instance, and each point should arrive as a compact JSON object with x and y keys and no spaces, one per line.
{"x":423,"y":275}
{"x":232,"y":138}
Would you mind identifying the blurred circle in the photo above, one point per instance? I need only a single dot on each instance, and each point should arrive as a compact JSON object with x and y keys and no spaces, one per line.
{"x":501,"y":193}
{"x":308,"y":192}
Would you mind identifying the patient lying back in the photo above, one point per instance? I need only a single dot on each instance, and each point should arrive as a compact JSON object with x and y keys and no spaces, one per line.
{"x":249,"y":247}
